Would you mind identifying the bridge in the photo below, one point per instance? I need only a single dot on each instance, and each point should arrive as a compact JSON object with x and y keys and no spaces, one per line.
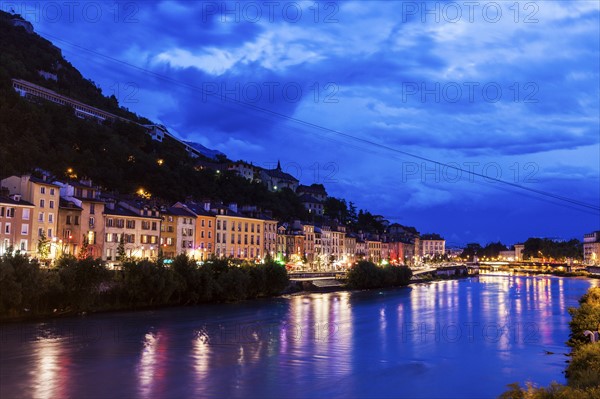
{"x":336,"y":276}
{"x":311,"y":276}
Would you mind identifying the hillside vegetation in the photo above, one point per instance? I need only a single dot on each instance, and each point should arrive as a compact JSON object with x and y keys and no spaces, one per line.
{"x":119,"y":156}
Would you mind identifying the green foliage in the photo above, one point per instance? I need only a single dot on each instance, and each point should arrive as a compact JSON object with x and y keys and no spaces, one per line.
{"x":81,"y":279}
{"x":121,"y":250}
{"x":584,"y":368}
{"x":585,"y":317}
{"x":276,"y":278}
{"x":491,"y":250}
{"x":546,"y":248}
{"x":366,"y":274}
{"x":43,"y":246}
{"x":147,"y":283}
{"x":395,"y":276}
{"x":23,"y":286}
{"x":583,"y":372}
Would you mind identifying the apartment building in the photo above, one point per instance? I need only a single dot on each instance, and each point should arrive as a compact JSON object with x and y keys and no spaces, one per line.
{"x":90,"y":222}
{"x":591,"y":248}
{"x":237,"y":236}
{"x":69,"y":237}
{"x":204,"y":229}
{"x":45,"y":197}
{"x":15,"y":225}
{"x":137,"y":226}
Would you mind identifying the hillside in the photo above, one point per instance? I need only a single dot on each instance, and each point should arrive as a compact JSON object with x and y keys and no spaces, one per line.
{"x":117,"y":155}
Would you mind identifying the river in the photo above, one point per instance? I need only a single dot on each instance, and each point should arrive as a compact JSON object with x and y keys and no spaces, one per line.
{"x":463,"y":338}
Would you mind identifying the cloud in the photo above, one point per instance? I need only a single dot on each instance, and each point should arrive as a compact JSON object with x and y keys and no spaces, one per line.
{"x":528,"y":93}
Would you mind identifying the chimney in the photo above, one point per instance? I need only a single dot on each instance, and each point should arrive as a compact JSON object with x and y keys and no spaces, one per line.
{"x":206,"y":205}
{"x":233,"y":207}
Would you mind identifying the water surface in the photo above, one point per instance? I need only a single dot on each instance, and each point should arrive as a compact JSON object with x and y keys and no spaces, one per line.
{"x":462,"y":338}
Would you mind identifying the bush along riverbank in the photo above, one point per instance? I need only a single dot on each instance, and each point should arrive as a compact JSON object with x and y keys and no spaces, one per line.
{"x":583,"y":371}
{"x":86,"y":285}
{"x":365,"y":275}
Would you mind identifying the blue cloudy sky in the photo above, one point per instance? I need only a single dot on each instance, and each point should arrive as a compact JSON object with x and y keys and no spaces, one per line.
{"x":347,"y":93}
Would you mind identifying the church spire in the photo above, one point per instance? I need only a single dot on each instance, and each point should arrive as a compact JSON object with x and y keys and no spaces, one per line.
{"x":278,"y":165}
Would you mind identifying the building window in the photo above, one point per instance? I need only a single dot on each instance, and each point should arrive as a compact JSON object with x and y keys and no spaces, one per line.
{"x":49,"y":233}
{"x":26,"y":213}
{"x":154,"y":226}
{"x":109,"y":254}
{"x":92,"y":209}
{"x":41,"y":217}
{"x":202,"y":222}
{"x":210,"y":223}
{"x":42,"y":190}
{"x":51,"y":191}
{"x":42,"y":203}
{"x":23,"y":245}
{"x":7,"y":228}
{"x":76,"y":220}
{"x":24,"y":229}
{"x":51,"y":204}
{"x":130,"y":224}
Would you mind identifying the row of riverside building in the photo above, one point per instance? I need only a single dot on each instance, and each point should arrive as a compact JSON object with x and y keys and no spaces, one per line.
{"x":75,"y":216}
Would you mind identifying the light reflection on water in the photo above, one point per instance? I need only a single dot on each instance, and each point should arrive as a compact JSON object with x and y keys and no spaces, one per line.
{"x":466,"y":338}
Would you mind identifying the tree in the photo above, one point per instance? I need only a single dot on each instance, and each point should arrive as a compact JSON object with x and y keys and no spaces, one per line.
{"x":121,"y":250}
{"x":84,"y":251}
{"x":43,"y":247}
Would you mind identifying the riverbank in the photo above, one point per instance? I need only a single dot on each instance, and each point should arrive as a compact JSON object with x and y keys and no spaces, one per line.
{"x":188,"y":288}
{"x":82,"y":286}
{"x":583,"y":370}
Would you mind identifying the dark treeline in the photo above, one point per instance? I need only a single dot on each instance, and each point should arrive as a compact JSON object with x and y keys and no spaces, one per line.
{"x":534,"y":248}
{"x":583,"y":371}
{"x":56,"y":140}
{"x":546,"y":248}
{"x":366,"y":274}
{"x":78,"y":285}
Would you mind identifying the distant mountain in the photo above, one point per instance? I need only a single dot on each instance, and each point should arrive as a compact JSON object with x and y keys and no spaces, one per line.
{"x":207,"y":152}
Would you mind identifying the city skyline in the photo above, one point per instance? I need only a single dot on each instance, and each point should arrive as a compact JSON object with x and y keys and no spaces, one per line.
{"x":394,"y":89}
